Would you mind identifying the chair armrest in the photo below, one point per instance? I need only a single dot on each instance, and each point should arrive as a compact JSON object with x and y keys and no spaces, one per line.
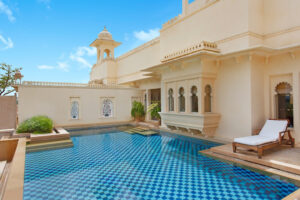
{"x":281,"y":134}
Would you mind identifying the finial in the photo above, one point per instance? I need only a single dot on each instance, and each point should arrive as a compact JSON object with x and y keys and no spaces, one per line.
{"x":105,"y":28}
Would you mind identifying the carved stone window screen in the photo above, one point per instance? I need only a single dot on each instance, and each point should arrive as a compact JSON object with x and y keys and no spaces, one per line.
{"x":181,"y":100}
{"x":194,"y":99}
{"x":171,"y":100}
{"x":107,"y":108}
{"x":74,"y":108}
{"x":208,"y":99}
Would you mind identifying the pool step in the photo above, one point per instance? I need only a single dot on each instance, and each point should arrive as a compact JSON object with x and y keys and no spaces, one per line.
{"x":51,"y":145}
{"x":141,"y":130}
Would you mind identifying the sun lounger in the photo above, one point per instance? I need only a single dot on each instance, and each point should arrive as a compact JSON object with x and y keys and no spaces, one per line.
{"x":271,"y":135}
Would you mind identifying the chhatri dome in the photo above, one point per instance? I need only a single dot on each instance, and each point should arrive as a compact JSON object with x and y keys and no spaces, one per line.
{"x":105,"y":35}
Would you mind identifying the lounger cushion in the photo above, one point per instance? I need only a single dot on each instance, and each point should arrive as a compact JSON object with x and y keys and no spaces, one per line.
{"x":254,"y":140}
{"x":272,"y":128}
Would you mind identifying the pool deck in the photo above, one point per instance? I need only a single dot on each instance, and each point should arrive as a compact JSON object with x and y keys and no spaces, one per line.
{"x":283,"y":161}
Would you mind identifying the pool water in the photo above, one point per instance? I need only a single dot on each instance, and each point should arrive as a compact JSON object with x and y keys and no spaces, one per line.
{"x":118,"y":165}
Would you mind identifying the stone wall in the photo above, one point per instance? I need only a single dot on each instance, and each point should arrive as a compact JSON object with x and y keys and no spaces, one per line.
{"x":8,"y":112}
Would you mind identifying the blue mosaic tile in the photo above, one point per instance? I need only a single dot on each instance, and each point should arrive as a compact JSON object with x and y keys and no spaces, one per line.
{"x":124,"y":166}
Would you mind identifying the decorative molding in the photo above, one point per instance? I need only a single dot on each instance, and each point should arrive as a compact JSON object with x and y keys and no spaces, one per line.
{"x":292,"y":54}
{"x":202,"y":46}
{"x":237,"y":59}
{"x":267,"y":60}
{"x":257,"y":35}
{"x":250,"y":57}
{"x":189,"y":77}
{"x":288,"y":30}
{"x":240,"y":35}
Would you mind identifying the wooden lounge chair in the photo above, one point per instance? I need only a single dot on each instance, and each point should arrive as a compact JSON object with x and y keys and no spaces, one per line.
{"x":271,"y":135}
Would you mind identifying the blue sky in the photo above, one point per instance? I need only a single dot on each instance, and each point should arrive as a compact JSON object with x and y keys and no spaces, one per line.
{"x":50,"y":39}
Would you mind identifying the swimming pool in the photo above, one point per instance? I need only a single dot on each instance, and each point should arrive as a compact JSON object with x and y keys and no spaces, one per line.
{"x":118,"y":165}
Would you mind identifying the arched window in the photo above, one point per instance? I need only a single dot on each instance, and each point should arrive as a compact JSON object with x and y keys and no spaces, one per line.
{"x":207,"y":99}
{"x":107,"y":108}
{"x":75,"y":110}
{"x":284,"y":102}
{"x":181,"y":99}
{"x":106,"y":53}
{"x":171,"y":100}
{"x":194,"y":99}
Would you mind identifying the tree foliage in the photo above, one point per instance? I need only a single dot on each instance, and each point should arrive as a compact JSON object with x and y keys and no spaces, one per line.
{"x":154,"y":109}
{"x":7,"y":73}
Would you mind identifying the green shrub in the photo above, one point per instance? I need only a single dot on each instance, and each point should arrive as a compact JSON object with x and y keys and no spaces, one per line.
{"x":138,"y":111}
{"x":154,"y":110}
{"x":36,"y":125}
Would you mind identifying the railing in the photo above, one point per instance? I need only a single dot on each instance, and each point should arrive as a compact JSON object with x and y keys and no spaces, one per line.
{"x":63,"y":84}
{"x":204,"y":45}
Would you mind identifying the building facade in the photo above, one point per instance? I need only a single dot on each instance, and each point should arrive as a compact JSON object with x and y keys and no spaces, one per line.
{"x":221,"y":68}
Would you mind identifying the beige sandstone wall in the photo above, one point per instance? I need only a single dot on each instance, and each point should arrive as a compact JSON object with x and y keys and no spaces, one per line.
{"x":138,"y":59}
{"x":233,"y":99}
{"x":257,"y":92}
{"x":283,"y":68}
{"x":213,"y":23}
{"x":55,"y":103}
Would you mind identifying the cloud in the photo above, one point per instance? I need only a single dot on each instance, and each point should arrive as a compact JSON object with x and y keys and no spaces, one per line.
{"x":7,"y":43}
{"x":60,"y":65}
{"x":46,"y":2}
{"x":7,"y":11}
{"x":63,"y":66}
{"x":146,"y":36}
{"x":82,"y":51}
{"x":81,"y":54}
{"x":45,"y":67}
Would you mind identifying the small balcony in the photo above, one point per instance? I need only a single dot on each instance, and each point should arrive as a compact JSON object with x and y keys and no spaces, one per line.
{"x":205,"y":124}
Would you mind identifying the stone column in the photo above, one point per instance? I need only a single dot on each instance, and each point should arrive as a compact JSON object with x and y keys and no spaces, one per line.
{"x":296,"y":99}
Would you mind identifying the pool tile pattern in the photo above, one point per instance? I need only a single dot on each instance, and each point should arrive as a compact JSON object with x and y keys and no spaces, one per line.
{"x":125,"y":166}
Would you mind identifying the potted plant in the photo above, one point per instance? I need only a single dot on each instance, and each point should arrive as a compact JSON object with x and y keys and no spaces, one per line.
{"x":154,"y":110}
{"x":137,"y":111}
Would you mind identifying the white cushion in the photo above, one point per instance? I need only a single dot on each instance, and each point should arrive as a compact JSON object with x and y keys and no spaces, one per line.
{"x":254,"y":140}
{"x":272,"y":128}
{"x":269,"y":133}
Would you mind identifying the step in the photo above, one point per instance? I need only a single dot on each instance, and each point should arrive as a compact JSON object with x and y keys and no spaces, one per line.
{"x":253,"y":166}
{"x":47,"y":138}
{"x":49,"y":145}
{"x":286,"y":167}
{"x":3,"y":176}
{"x":2,"y":167}
{"x":147,"y":133}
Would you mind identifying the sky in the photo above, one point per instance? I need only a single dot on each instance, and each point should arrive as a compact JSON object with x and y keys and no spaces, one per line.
{"x":50,"y":39}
